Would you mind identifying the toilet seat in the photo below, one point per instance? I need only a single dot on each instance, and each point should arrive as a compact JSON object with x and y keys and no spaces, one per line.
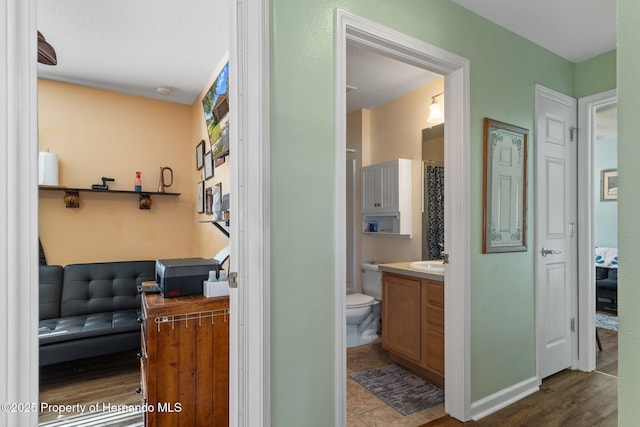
{"x":359,"y":300}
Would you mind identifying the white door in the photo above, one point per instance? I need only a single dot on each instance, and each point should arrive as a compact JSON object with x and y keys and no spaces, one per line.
{"x":556,"y":210}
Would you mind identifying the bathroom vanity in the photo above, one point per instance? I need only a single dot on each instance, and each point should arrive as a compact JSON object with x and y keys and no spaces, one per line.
{"x":413,"y":319}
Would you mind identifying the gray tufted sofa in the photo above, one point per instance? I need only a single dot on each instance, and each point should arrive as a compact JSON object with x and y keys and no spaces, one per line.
{"x":90,"y":309}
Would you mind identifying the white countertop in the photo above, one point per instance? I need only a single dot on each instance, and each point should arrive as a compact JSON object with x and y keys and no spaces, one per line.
{"x":403,"y":268}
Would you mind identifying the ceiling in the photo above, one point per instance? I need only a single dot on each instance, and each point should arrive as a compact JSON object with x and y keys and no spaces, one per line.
{"x":374,"y":79}
{"x":137,"y":46}
{"x":573,"y":29}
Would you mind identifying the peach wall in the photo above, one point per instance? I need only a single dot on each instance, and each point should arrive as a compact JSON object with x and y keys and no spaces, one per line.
{"x":99,"y":133}
{"x":396,"y":132}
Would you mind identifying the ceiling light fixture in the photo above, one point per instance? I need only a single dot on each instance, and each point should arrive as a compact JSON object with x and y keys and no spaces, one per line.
{"x":46,"y":52}
{"x":164,"y":90}
{"x":435,"y":110}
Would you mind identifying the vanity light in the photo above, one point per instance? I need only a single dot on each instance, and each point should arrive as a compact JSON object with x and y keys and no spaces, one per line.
{"x":435,"y":110}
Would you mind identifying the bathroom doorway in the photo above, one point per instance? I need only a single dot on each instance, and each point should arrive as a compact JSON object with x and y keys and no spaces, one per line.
{"x":387,"y":119}
{"x":356,"y":31}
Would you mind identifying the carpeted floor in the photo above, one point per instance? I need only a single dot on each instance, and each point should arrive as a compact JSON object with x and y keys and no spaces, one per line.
{"x":400,"y":389}
{"x":605,"y":321}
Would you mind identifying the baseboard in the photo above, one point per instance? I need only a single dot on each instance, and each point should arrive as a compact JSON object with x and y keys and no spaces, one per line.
{"x":504,"y":398}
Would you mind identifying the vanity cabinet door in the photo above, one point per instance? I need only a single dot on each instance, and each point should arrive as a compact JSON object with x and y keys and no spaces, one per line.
{"x":433,"y":345}
{"x":401,"y":317}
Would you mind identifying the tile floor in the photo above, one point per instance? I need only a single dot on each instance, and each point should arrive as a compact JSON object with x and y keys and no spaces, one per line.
{"x":363,"y":408}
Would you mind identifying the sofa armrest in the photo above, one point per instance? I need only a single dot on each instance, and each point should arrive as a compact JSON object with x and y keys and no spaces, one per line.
{"x":50,"y":291}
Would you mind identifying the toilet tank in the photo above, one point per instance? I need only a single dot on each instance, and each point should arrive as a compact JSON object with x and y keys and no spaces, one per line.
{"x":372,"y":281}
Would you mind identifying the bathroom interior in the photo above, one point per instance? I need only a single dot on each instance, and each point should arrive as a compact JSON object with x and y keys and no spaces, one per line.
{"x":395,"y":233}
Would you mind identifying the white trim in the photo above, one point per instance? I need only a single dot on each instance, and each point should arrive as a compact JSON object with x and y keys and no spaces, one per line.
{"x":457,"y":235}
{"x":587,"y":183}
{"x":19,"y":214}
{"x":504,"y":398}
{"x":250,"y":338}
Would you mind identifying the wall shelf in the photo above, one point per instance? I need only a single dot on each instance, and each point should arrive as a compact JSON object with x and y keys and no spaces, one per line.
{"x":218,"y":225}
{"x":72,"y":195}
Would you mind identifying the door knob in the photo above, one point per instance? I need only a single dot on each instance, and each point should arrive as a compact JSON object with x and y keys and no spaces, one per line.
{"x":546,"y":252}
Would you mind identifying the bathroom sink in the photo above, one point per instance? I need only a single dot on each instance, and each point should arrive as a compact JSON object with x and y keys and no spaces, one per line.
{"x":434,"y":266}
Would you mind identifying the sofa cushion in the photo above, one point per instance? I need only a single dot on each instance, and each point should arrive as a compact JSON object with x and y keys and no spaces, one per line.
{"x":103,"y":287}
{"x":609,"y":284}
{"x":91,"y":325}
{"x":602,"y":273}
{"x":50,"y":290}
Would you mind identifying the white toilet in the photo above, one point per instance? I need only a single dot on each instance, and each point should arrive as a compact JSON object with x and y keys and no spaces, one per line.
{"x":363,"y":310}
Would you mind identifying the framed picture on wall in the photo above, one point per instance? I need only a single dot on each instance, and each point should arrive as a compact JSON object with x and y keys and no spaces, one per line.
{"x":200,"y":155}
{"x":609,"y":185}
{"x":208,"y":197}
{"x":200,"y":196}
{"x":504,"y":213}
{"x":208,"y":165}
{"x":217,"y":201}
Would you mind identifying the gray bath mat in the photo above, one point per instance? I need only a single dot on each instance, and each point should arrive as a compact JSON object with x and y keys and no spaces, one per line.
{"x":400,"y":389}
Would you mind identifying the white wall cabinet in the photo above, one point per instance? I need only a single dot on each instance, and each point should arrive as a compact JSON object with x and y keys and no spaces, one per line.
{"x":386,"y":198}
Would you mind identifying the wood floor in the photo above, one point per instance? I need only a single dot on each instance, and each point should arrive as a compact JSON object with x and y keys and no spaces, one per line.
{"x":108,"y":380}
{"x":569,"y":398}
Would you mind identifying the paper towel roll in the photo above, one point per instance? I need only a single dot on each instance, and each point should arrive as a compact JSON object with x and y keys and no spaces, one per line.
{"x":47,"y":168}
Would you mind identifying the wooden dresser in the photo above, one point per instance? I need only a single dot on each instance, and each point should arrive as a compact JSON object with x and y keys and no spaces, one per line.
{"x":185,"y":361}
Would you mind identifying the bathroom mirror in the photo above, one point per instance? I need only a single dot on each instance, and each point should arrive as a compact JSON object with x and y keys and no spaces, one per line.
{"x":505,"y":188}
{"x":433,"y":192}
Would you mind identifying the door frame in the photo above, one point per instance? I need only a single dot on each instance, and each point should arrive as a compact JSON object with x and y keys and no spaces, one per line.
{"x":250,"y":405}
{"x":587,"y":184}
{"x":250,"y":302}
{"x":457,"y":230}
{"x":19,"y":214}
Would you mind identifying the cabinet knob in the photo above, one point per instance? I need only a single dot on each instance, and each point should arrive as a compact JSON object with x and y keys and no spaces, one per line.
{"x":139,"y":390}
{"x":140,"y":320}
{"x":139,"y":355}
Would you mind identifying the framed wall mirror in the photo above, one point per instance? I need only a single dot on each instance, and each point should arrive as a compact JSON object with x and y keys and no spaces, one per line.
{"x":505,"y":188}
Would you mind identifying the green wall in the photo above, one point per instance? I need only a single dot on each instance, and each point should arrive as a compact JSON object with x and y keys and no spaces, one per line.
{"x":628,"y":208}
{"x":504,"y":69}
{"x":596,"y":75}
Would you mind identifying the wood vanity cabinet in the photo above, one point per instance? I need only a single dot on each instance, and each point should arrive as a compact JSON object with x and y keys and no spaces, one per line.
{"x":413,"y":324}
{"x":184,"y":361}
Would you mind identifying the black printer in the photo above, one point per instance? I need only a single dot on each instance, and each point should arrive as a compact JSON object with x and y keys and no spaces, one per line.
{"x":183,"y":276}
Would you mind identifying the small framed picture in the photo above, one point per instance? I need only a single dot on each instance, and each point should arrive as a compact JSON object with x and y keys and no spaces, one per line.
{"x":200,"y":155}
{"x":217,"y":201}
{"x":609,"y":185}
{"x":208,"y":165}
{"x":208,"y":197}
{"x":201,"y":196}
